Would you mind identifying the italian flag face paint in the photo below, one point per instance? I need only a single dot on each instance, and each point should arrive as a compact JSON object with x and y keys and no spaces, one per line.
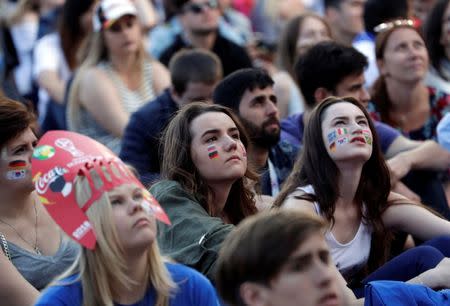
{"x":341,"y":131}
{"x":212,"y":152}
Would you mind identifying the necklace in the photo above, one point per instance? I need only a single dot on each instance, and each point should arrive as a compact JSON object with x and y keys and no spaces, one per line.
{"x":35,"y":247}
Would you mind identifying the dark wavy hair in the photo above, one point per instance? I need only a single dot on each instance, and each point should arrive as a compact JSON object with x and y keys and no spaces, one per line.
{"x":315,"y":167}
{"x":70,"y":30}
{"x":433,"y":32}
{"x":177,"y":163}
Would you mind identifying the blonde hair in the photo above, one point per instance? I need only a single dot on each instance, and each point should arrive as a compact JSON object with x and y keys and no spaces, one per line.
{"x":104,"y":265}
{"x":92,"y":52}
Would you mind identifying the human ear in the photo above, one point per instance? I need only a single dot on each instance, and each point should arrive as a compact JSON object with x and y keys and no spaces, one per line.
{"x":320,"y":94}
{"x":331,"y":14}
{"x":254,"y":294}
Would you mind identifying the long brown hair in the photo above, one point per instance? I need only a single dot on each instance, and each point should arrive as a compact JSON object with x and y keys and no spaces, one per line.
{"x":315,"y":167}
{"x":177,"y":163}
{"x":70,"y":29}
{"x":379,"y":93}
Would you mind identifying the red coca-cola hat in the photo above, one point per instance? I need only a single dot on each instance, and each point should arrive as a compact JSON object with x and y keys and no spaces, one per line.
{"x":60,"y":157}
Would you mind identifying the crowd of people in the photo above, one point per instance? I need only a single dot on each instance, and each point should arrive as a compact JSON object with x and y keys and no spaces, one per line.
{"x":225,"y":152}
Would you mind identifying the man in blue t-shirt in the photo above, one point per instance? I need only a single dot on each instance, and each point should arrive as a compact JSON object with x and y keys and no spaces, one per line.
{"x":332,"y":69}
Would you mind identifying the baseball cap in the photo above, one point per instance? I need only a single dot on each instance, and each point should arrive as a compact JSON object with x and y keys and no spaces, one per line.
{"x":109,"y":11}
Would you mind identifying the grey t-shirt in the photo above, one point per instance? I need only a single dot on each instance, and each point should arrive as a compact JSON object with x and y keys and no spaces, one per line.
{"x":40,"y":270}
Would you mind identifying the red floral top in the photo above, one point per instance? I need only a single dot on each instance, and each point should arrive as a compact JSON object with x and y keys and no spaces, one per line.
{"x":440,"y":105}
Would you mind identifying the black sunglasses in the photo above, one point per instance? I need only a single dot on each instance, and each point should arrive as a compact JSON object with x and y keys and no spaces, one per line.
{"x":198,"y":8}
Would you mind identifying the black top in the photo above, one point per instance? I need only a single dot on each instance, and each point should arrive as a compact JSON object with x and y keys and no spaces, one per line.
{"x":140,"y":143}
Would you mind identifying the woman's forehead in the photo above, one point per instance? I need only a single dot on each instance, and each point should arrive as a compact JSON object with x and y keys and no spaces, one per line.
{"x":211,"y":121}
{"x":342,"y":109}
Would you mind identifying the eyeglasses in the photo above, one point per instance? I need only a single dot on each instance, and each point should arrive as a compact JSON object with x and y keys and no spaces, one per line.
{"x":385,"y":26}
{"x":198,"y":8}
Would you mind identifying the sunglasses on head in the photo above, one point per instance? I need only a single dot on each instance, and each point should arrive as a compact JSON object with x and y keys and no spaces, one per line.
{"x":198,"y":8}
{"x":386,"y":26}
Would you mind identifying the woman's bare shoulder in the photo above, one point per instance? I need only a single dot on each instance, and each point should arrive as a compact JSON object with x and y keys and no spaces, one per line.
{"x":293,"y":200}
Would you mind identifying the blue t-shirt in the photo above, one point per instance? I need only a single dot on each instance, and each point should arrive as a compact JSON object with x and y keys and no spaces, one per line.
{"x":193,"y":289}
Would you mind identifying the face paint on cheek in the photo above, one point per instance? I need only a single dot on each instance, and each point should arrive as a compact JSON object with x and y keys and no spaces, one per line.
{"x":212,"y":152}
{"x":332,"y":147}
{"x":332,"y":137}
{"x":367,"y":136}
{"x":17,"y":170}
{"x":341,"y":141}
{"x":146,"y":207}
{"x":341,"y":131}
{"x":337,"y":137}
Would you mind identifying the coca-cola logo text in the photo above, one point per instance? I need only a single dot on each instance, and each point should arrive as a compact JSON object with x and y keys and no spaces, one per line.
{"x":45,"y":180}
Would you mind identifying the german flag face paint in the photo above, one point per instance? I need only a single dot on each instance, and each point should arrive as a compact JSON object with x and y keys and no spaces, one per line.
{"x":212,"y":152}
{"x":17,"y":170}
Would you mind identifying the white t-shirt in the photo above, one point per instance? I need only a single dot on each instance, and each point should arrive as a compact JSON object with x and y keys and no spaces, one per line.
{"x":48,"y":55}
{"x":348,"y":257}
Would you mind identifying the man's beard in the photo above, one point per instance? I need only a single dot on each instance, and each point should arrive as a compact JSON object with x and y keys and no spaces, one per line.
{"x":259,"y":136}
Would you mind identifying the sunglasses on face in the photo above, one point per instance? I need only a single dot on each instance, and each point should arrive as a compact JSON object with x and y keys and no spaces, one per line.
{"x":386,"y":26}
{"x":198,"y":8}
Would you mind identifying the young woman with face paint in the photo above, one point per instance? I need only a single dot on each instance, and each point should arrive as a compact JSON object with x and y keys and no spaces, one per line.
{"x":206,"y":188}
{"x":32,"y":246}
{"x":114,"y":218}
{"x":343,"y":177}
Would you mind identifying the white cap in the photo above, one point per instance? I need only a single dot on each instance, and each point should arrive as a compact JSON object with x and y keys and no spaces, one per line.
{"x":108,"y":11}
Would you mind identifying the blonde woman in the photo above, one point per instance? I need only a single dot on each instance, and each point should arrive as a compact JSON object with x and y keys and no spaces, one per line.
{"x":116,"y":76}
{"x":109,"y":212}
